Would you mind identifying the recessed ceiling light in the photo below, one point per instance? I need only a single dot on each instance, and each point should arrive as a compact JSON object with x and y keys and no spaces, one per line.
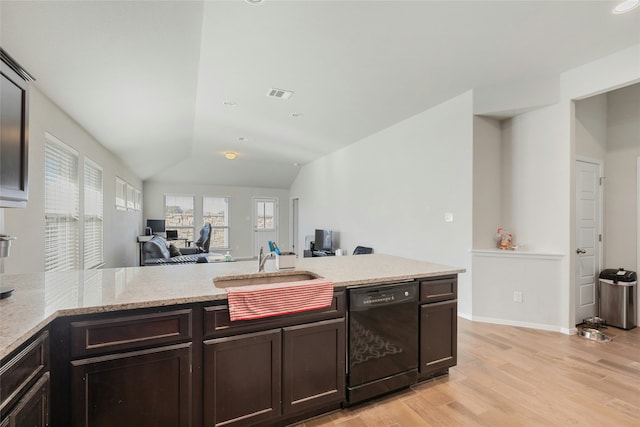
{"x":254,"y":1}
{"x":230,"y":155}
{"x":625,"y":6}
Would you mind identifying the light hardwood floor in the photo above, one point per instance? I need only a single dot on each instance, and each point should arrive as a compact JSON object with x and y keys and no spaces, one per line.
{"x":508,"y":376}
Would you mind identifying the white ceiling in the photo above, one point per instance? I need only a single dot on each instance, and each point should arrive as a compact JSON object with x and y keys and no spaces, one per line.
{"x":149,"y":79}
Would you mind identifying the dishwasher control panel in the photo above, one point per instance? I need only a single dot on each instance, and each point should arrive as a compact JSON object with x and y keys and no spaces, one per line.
{"x":380,"y":295}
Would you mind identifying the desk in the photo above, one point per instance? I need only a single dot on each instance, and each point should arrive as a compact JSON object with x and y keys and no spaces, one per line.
{"x":308,"y":253}
{"x":186,"y":241}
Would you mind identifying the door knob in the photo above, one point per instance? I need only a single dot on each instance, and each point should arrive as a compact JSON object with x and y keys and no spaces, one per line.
{"x":580,"y":251}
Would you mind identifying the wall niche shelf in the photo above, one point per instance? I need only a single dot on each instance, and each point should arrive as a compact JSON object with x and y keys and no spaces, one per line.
{"x":522,"y":254}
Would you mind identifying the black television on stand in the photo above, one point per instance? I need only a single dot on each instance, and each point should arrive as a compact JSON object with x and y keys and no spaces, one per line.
{"x":323,"y":242}
{"x":156,"y":225}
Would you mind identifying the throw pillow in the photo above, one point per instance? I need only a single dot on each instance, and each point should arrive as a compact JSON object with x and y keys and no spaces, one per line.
{"x":174,"y":251}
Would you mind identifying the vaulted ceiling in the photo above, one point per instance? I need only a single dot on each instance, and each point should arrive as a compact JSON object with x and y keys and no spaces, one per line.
{"x":170,"y":86}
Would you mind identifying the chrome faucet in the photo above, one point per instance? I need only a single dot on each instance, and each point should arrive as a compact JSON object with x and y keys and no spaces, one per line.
{"x":263,"y":259}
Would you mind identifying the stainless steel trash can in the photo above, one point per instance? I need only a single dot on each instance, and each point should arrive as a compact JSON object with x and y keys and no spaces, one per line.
{"x":618,"y":296}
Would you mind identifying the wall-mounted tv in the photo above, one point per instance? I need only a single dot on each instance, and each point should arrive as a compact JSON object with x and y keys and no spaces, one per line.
{"x":156,"y":225}
{"x":323,"y":241}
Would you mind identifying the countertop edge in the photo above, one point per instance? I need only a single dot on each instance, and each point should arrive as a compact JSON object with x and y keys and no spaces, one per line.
{"x":10,"y":348}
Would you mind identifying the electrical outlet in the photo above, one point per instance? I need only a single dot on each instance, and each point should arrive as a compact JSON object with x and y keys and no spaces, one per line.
{"x":448,"y":217}
{"x":517,"y":296}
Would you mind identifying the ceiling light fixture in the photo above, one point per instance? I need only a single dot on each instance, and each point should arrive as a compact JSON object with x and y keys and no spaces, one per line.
{"x":254,"y":1}
{"x":625,"y":6}
{"x":230,"y":155}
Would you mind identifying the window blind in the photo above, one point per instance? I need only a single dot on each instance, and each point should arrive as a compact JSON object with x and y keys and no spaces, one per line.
{"x":93,"y":255}
{"x":178,"y":214}
{"x":215,"y":210}
{"x":61,"y":206}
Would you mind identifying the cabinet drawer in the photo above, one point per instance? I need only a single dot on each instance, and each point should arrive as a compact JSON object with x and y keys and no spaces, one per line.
{"x":217,"y":322}
{"x":21,"y":371}
{"x":128,"y":332}
{"x":438,"y":289}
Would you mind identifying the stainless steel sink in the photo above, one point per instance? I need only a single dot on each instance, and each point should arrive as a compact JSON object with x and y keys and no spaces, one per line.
{"x":263,"y":278}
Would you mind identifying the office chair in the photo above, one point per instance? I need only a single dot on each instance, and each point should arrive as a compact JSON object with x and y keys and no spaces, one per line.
{"x":202,"y":244}
{"x":362,"y":250}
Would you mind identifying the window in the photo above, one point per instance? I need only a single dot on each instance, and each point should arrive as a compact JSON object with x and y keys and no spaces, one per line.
{"x":137,"y":199}
{"x":265,"y":214}
{"x":93,"y":216}
{"x":215,"y":211}
{"x":61,"y":206}
{"x":178,"y":215}
{"x":121,"y":194}
{"x":131,"y":202}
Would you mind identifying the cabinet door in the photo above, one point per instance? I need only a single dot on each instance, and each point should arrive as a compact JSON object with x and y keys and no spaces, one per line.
{"x":438,"y":337}
{"x":20,"y":372}
{"x":314,"y":365}
{"x":142,"y":388}
{"x":33,"y":409}
{"x":14,"y":135}
{"x":242,"y":379}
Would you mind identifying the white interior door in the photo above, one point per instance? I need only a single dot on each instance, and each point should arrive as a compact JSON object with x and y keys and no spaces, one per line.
{"x":294,"y":225}
{"x":265,"y":223}
{"x":588,"y":238}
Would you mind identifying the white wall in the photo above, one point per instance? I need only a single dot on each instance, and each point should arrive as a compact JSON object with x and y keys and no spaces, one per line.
{"x":487,"y":181}
{"x":391,"y":190}
{"x":534,"y":207}
{"x":240,"y":210}
{"x":537,"y":173}
{"x":591,"y":127}
{"x":620,"y":191}
{"x":120,"y":227}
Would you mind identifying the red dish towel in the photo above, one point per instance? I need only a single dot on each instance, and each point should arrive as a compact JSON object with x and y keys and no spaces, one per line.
{"x":258,"y":301}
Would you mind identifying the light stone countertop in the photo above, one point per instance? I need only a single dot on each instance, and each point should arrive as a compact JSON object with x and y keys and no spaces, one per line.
{"x":41,"y":297}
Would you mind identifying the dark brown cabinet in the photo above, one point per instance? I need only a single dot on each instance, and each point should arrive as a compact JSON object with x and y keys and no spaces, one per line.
{"x":143,"y":388}
{"x":24,"y":385}
{"x":261,"y":377}
{"x":131,"y":369}
{"x":33,"y":409}
{"x":438,"y":326}
{"x":313,"y":365}
{"x":14,"y":132}
{"x":274,"y":370}
{"x":242,"y":379}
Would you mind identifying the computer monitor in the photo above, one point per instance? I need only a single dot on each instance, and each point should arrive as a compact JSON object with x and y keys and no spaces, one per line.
{"x":324,"y":241}
{"x":156,"y":225}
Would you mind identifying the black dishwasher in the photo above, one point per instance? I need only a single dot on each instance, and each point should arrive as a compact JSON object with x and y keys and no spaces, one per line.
{"x":383,"y":339}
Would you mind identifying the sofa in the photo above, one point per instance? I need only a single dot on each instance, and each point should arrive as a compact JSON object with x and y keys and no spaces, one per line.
{"x":158,"y":251}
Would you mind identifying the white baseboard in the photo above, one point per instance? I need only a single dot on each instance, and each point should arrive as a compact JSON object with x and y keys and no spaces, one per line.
{"x":507,"y":322}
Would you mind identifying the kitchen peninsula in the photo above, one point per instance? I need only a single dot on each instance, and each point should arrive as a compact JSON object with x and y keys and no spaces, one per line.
{"x":58,"y":314}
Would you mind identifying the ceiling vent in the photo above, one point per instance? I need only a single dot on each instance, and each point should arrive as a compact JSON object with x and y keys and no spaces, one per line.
{"x":279,"y":93}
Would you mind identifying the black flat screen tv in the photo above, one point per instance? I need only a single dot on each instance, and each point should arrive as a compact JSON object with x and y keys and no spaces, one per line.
{"x":323,"y":241}
{"x":156,"y":225}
